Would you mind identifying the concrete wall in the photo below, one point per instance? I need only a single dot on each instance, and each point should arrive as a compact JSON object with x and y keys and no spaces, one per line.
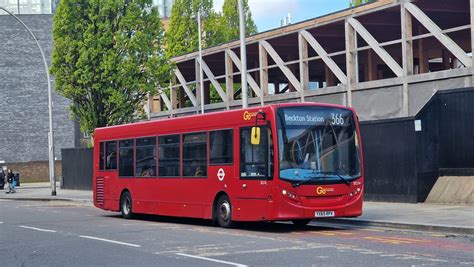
{"x":23,"y":93}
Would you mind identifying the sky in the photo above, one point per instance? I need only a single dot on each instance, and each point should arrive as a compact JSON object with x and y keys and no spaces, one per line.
{"x":267,"y":13}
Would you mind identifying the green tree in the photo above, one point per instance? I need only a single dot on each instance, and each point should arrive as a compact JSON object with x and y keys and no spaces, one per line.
{"x":229,"y":26}
{"x":182,"y":35}
{"x":107,"y":56}
{"x":217,"y":28}
{"x":354,"y":3}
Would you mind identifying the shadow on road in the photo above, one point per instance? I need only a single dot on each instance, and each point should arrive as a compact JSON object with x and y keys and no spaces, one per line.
{"x":267,"y":227}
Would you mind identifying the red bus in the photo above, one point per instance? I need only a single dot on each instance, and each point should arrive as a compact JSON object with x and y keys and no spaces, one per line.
{"x":293,"y":162}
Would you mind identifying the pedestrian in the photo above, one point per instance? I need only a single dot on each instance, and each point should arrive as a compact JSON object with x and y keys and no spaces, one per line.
{"x":2,"y":178}
{"x":11,"y":181}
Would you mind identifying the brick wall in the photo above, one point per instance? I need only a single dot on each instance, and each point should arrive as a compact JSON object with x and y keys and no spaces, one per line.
{"x":24,"y":122}
{"x":35,"y":171}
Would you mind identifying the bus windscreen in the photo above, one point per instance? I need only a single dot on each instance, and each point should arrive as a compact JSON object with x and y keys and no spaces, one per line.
{"x":317,"y":145}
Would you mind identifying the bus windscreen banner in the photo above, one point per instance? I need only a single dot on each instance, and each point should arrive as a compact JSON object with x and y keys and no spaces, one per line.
{"x":317,"y":116}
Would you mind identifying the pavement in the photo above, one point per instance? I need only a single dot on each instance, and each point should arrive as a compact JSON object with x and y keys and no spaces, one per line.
{"x":454,"y":219}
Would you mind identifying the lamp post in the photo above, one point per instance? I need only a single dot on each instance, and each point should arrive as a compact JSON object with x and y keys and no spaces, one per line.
{"x":243,"y":56}
{"x":50,"y":108}
{"x":201,"y":75}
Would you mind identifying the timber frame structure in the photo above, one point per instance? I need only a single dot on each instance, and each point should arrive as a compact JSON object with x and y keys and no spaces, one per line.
{"x":385,"y":58}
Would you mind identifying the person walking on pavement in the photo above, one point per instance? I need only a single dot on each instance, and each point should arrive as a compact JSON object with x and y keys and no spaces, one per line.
{"x":2,"y":178}
{"x":11,"y":181}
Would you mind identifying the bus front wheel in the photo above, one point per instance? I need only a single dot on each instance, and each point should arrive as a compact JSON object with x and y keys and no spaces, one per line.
{"x":224,"y":212}
{"x":126,"y":205}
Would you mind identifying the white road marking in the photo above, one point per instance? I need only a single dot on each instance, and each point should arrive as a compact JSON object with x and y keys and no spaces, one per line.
{"x":1,"y":222}
{"x":37,"y":229}
{"x":213,"y":260}
{"x":110,"y":241}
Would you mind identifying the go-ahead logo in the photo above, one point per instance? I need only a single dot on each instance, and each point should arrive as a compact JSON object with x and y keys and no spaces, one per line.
{"x":323,"y":191}
{"x":249,"y":115}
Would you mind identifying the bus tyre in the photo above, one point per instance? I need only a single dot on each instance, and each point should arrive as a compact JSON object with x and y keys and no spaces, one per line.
{"x":224,"y":212}
{"x":301,"y":222}
{"x":126,"y":205}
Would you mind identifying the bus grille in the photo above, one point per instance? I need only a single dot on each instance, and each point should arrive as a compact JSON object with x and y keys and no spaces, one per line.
{"x":99,"y":191}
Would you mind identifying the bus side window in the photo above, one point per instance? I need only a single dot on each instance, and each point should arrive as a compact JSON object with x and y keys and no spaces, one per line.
{"x":168,"y":156}
{"x":221,"y":147}
{"x":126,"y":158}
{"x":111,"y":155}
{"x":195,"y":155}
{"x":145,"y":165}
{"x":253,"y":158}
{"x":101,"y":156}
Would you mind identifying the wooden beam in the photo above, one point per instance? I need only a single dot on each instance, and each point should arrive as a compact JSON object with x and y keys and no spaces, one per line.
{"x":213,"y":80}
{"x":183,"y":84}
{"x":350,"y":60}
{"x":263,"y":64}
{"x":407,"y":43}
{"x":381,"y":52}
{"x":324,"y":56}
{"x":251,"y":81}
{"x":198,"y":86}
{"x":407,"y":53}
{"x":304,"y":66}
{"x":329,"y":77}
{"x":174,"y":98}
{"x":156,"y":104}
{"x":165,"y":99}
{"x":445,"y":40}
{"x":472,"y":37}
{"x":229,"y":79}
{"x":286,"y":71}
{"x":371,"y":66}
{"x":423,"y":54}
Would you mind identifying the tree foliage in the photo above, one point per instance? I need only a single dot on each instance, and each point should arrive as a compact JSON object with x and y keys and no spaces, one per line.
{"x":229,"y":24}
{"x":107,"y":56}
{"x":217,"y":27}
{"x":182,"y":35}
{"x":354,"y":3}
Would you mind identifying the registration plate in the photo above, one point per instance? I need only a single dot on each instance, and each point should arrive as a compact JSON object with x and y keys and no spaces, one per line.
{"x":328,"y":213}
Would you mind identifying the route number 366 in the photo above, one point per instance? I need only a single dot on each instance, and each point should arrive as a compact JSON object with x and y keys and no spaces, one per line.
{"x":337,"y":119}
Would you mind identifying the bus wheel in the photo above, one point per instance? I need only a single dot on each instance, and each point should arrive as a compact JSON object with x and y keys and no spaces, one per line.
{"x":224,"y":212}
{"x":301,"y":222}
{"x":126,"y":205}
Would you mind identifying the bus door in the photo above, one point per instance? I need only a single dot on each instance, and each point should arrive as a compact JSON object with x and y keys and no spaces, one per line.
{"x":255,"y":173}
{"x":107,"y":176}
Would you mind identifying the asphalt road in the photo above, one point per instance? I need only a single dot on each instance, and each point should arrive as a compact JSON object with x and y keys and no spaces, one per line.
{"x":36,"y":233}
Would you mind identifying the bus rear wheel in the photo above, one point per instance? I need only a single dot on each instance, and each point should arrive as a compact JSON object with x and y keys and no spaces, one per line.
{"x":126,"y":205}
{"x":224,"y":212}
{"x":301,"y":222}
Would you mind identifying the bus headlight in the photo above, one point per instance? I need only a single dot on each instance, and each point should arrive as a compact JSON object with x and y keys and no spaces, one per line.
{"x":289,"y":194}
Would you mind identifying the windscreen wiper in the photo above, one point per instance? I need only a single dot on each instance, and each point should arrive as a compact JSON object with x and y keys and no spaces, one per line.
{"x":343,"y":179}
{"x":311,"y":178}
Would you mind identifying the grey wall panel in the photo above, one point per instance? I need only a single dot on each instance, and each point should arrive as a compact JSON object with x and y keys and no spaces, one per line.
{"x":376,"y":104}
{"x":23,"y":93}
{"x":420,"y":93}
{"x":331,"y":99}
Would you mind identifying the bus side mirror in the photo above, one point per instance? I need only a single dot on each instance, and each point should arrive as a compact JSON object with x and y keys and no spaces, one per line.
{"x":255,"y":140}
